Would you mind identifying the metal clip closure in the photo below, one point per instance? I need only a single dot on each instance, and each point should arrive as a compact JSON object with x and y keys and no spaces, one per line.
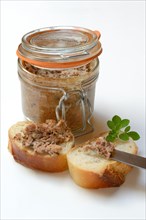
{"x":85,"y":108}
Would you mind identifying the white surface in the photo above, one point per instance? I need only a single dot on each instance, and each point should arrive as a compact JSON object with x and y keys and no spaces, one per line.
{"x":28,"y":194}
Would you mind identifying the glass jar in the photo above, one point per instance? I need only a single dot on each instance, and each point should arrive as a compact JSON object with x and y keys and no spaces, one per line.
{"x":58,"y":68}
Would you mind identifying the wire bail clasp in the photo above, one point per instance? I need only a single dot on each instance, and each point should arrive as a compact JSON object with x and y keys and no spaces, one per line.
{"x":85,"y":109}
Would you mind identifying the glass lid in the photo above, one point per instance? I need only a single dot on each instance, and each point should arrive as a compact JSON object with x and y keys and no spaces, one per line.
{"x":59,"y":44}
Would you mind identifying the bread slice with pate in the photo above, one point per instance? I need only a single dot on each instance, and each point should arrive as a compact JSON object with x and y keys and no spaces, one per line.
{"x":41,"y":146}
{"x":91,"y":167}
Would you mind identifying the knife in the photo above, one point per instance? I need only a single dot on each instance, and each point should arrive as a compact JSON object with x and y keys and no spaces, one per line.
{"x":131,"y":159}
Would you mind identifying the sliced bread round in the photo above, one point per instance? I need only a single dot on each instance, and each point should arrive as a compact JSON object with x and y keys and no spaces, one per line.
{"x":53,"y":160}
{"x":91,"y":170}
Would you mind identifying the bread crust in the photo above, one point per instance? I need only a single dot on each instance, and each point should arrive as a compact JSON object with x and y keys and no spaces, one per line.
{"x":113,"y":175}
{"x":33,"y":160}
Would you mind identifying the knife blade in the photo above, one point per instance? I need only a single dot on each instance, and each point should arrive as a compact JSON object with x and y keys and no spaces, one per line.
{"x":130,"y":159}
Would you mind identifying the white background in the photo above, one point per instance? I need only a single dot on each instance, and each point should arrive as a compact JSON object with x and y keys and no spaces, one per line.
{"x":28,"y":194}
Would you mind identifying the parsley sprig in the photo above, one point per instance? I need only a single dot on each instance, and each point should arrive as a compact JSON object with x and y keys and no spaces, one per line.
{"x":120,"y":128}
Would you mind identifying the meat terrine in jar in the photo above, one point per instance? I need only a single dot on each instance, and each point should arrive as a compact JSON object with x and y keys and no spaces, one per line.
{"x":58,"y":68}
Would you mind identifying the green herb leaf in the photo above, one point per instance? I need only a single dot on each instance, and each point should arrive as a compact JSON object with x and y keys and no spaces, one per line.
{"x":127,"y":129}
{"x":118,"y":127}
{"x":124,"y":137}
{"x":111,"y":125}
{"x":116,"y":119}
{"x":117,"y":130}
{"x":110,"y":138}
{"x":134,"y":135}
{"x":124,"y":123}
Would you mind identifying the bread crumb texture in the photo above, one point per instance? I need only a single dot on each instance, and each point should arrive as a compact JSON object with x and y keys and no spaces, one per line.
{"x":91,"y":170}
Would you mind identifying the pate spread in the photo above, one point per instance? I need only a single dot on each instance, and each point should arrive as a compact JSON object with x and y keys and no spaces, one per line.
{"x":45,"y":137}
{"x":99,"y":147}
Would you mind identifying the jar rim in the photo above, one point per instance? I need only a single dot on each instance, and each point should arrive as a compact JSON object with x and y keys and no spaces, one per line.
{"x":60,"y":46}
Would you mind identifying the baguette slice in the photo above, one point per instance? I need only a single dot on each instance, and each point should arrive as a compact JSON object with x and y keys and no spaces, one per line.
{"x":94,"y":171}
{"x":32,"y":159}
